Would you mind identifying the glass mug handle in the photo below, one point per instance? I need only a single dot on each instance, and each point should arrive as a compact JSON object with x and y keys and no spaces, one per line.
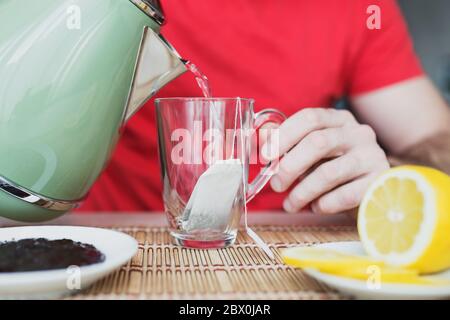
{"x":260,"y":119}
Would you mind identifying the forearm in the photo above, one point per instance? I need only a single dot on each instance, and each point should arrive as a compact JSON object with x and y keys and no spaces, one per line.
{"x":433,"y":151}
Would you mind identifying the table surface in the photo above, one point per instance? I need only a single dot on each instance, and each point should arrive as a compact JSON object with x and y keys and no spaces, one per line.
{"x":158,"y":219}
{"x":162,"y":270}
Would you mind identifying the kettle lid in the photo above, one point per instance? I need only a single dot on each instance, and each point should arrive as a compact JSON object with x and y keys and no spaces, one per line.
{"x":152,"y":8}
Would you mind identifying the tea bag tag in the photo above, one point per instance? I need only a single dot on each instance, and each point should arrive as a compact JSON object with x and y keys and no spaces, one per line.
{"x":260,"y":242}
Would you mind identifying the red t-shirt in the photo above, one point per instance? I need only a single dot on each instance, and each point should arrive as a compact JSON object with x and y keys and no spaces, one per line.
{"x":288,"y":54}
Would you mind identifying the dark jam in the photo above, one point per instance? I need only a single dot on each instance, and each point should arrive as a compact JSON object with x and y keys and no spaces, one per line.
{"x":44,"y":254}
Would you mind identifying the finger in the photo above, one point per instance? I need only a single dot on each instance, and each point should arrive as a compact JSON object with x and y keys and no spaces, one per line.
{"x":265,"y":131}
{"x":301,"y":124}
{"x":263,"y":135}
{"x":344,"y":198}
{"x":327,"y":177}
{"x":316,"y":146}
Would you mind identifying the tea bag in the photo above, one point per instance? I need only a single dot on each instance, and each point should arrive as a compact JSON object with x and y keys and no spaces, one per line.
{"x":211,"y":202}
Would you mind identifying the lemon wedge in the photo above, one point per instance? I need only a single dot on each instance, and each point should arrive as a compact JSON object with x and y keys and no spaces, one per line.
{"x":346,"y":265}
{"x":386,"y":274}
{"x":326,"y":260}
{"x":404,"y":219}
{"x":355,"y":267}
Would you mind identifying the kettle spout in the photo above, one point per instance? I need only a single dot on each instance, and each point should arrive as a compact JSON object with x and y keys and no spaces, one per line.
{"x":157,"y":64}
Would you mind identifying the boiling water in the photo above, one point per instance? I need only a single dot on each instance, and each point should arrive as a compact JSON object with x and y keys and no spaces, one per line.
{"x":201,"y":78}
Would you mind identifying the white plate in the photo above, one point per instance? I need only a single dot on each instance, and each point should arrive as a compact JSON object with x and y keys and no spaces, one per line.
{"x":117,"y":247}
{"x":364,"y":290}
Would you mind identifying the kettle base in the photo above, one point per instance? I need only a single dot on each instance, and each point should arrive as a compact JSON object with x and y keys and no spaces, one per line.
{"x":18,"y":210}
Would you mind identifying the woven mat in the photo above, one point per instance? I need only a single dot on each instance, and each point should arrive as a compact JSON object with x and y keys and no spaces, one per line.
{"x":162,"y":270}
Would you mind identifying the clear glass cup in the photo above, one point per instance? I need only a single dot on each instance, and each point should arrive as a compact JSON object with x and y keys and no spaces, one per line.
{"x":195,"y":133}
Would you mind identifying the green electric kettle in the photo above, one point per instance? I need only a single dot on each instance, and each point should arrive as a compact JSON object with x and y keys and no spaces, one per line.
{"x":72,"y":72}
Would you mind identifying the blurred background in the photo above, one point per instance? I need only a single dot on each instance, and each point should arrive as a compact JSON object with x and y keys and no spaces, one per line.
{"x":429,"y":24}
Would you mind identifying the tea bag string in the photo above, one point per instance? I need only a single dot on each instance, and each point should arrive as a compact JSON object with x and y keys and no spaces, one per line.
{"x":252,"y":234}
{"x":214,"y":124}
{"x":237,"y":111}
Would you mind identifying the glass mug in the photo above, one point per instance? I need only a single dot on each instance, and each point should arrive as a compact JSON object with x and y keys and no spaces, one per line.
{"x":198,"y":137}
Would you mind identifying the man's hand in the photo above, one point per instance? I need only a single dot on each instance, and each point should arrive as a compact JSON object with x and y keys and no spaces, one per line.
{"x":329,"y":158}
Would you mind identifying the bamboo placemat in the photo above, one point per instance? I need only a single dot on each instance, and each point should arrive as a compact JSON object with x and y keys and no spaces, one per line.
{"x":162,"y":270}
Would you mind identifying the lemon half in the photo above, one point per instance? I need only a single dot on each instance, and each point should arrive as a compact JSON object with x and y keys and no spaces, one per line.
{"x":404,"y":219}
